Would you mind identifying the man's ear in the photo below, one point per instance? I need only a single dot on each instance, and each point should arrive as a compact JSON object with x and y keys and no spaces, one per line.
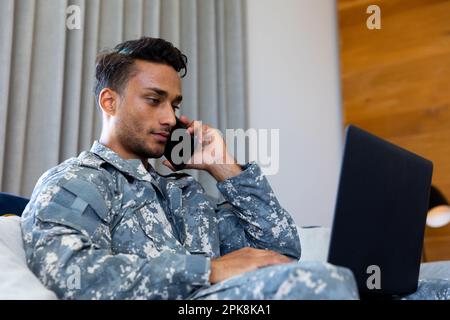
{"x":108,"y":100}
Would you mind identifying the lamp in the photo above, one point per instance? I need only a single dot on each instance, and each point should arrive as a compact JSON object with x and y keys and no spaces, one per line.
{"x":438,"y":209}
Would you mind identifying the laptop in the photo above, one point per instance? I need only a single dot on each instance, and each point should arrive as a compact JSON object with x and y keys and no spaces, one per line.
{"x":380,"y":215}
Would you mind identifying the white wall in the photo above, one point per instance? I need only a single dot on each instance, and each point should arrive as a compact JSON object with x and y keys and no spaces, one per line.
{"x":293,"y":85}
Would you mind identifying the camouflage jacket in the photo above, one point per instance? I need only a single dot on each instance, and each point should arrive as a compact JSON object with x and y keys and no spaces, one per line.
{"x":101,"y":227}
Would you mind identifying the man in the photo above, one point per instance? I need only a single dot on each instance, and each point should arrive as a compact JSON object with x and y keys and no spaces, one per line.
{"x":105,"y":225}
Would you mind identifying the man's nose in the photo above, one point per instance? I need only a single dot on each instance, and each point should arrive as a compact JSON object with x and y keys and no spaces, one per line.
{"x":168,"y":118}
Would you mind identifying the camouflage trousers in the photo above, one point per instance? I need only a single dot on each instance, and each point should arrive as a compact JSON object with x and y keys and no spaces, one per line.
{"x":312,"y":280}
{"x":431,"y":289}
{"x":294,"y":281}
{"x":434,"y":283}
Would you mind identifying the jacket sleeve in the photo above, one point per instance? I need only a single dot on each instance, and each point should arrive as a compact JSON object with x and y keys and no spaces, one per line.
{"x":67,"y":241}
{"x":251,"y":216}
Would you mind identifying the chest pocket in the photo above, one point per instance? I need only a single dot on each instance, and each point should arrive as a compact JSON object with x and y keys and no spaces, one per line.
{"x":193,"y":216}
{"x":174,"y":193}
{"x":142,"y":202}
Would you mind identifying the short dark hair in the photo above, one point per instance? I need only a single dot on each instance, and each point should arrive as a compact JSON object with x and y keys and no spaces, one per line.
{"x":114,"y":68}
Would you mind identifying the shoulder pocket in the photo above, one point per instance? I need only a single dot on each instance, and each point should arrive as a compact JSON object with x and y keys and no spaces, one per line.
{"x":78,"y":205}
{"x":86,"y":193}
{"x":85,"y":220}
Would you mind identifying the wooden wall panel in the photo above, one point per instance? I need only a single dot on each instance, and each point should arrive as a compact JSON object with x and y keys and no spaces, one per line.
{"x":396,"y":81}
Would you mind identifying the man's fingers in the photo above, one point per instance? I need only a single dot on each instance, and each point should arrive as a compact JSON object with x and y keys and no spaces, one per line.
{"x":198,"y":132}
{"x":268,"y":261}
{"x":264,"y":255}
{"x":188,"y":123}
{"x":283,"y":259}
{"x":185,"y":120}
{"x":268,"y":257}
{"x":244,"y":260}
{"x":197,"y":129}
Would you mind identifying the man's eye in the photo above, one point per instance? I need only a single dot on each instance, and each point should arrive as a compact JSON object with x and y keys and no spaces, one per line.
{"x":153,"y":101}
{"x":176,"y":107}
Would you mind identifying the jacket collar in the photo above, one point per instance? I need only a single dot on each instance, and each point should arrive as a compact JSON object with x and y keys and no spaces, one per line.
{"x":132,"y":167}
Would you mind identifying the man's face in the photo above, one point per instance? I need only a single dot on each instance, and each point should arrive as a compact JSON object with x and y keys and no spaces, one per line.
{"x":146,"y":112}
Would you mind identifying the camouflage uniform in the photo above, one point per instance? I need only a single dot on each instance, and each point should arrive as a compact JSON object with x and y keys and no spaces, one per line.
{"x":135,"y":234}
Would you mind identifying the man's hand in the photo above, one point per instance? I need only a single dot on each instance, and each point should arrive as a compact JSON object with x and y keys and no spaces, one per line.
{"x":243,"y":260}
{"x":211,"y":153}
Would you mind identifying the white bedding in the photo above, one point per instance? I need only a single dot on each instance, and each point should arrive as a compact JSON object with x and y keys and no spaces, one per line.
{"x":16,"y":280}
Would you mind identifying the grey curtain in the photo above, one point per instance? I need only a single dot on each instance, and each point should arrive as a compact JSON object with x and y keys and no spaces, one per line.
{"x":47,"y":108}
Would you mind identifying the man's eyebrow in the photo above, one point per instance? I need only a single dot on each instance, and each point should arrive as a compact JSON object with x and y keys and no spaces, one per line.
{"x":164,"y":94}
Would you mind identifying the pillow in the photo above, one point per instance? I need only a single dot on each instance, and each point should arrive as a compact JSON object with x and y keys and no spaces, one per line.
{"x":16,"y":279}
{"x":314,"y":242}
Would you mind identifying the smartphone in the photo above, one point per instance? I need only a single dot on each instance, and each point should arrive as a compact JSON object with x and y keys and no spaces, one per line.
{"x":177,"y":158}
